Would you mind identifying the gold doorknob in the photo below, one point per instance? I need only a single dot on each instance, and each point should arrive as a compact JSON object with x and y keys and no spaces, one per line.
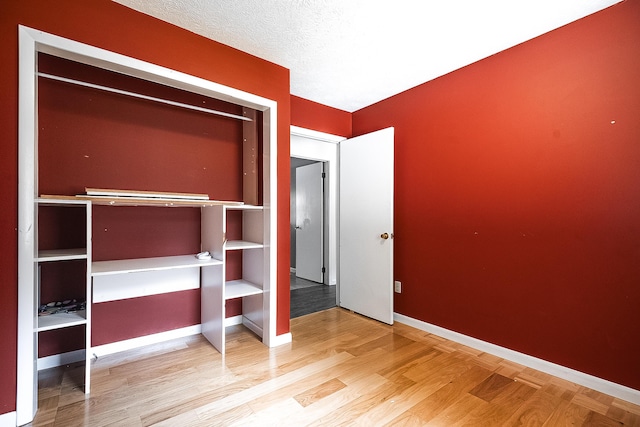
{"x":384,"y":236}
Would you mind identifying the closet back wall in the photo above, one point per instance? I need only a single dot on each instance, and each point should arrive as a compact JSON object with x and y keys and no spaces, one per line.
{"x":93,"y":138}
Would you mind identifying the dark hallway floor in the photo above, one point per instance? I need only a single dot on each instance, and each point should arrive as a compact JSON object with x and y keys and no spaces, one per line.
{"x":309,"y":297}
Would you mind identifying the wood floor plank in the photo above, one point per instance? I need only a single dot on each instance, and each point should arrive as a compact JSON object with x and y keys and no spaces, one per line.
{"x":275,"y":415}
{"x":567,"y":414}
{"x":420,"y":402}
{"x":535,"y":411}
{"x":450,"y":393}
{"x":456,"y":413}
{"x":623,"y":417}
{"x":319,"y":392}
{"x":337,"y":401}
{"x":491,"y":387}
{"x":368,"y":399}
{"x":501,"y":407}
{"x":590,"y":403}
{"x":339,"y":369}
{"x":248,"y":395}
{"x":627,"y":406}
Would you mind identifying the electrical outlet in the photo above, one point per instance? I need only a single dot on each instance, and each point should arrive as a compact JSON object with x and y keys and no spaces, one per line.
{"x":397,"y":287}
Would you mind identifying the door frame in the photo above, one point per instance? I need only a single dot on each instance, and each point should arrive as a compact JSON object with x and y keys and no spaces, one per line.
{"x":323,"y":147}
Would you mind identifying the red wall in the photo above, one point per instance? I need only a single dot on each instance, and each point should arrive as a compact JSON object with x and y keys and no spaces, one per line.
{"x":311,"y":115}
{"x":518,"y":198}
{"x":111,"y":26}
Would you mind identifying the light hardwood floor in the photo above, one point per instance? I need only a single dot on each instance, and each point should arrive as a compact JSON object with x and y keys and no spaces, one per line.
{"x":340,"y":369}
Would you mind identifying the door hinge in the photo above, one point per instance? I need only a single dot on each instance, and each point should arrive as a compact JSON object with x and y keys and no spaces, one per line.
{"x":323,"y":269}
{"x":323,"y":175}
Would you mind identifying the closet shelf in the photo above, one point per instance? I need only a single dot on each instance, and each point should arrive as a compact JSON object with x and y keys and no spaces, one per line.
{"x":103,"y":268}
{"x":234,"y":245}
{"x":60,"y":201}
{"x":240,"y":288}
{"x":61,"y":320}
{"x":61,"y":254}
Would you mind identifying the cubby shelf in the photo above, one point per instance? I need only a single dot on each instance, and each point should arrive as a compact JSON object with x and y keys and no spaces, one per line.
{"x":65,"y":218}
{"x":234,"y":245}
{"x":61,"y":320}
{"x":240,"y":288}
{"x":61,"y":254}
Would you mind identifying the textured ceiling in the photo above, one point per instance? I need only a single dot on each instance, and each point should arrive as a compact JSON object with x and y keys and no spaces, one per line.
{"x":352,"y":53}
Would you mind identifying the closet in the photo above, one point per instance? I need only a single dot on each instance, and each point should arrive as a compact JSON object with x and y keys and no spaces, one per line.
{"x":122,"y":264}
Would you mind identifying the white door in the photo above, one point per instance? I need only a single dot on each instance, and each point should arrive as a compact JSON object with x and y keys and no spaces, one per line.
{"x":365,"y":269}
{"x":309,"y":222}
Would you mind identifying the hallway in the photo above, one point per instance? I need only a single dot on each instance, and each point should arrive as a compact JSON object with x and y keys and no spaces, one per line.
{"x":309,"y":297}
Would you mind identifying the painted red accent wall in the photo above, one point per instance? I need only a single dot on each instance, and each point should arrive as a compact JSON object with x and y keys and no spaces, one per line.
{"x":145,"y":38}
{"x":120,"y":320}
{"x":518,"y":196}
{"x":312,"y":115}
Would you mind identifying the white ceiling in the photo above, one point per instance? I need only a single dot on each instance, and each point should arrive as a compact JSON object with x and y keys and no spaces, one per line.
{"x":349,"y":54}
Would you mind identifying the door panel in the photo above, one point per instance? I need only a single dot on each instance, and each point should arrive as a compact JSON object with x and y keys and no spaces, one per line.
{"x":309,"y":222}
{"x":366,"y":225}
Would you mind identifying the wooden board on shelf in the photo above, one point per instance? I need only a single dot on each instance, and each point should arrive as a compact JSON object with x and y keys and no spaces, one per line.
{"x":139,"y":201}
{"x":103,"y":192}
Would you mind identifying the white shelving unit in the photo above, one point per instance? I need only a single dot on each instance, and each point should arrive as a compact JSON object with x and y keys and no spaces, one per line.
{"x":32,"y":42}
{"x":251,"y":287}
{"x":68,"y":319}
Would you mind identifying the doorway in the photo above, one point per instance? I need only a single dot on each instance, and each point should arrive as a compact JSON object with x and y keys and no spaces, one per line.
{"x":309,"y":288}
{"x":309,"y":148}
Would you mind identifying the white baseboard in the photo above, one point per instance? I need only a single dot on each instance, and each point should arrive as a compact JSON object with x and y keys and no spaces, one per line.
{"x":604,"y":386}
{"x":281,"y":339}
{"x":60,"y":359}
{"x":231,"y":321}
{"x":115,"y":347}
{"x":253,"y":327}
{"x":8,"y":420}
